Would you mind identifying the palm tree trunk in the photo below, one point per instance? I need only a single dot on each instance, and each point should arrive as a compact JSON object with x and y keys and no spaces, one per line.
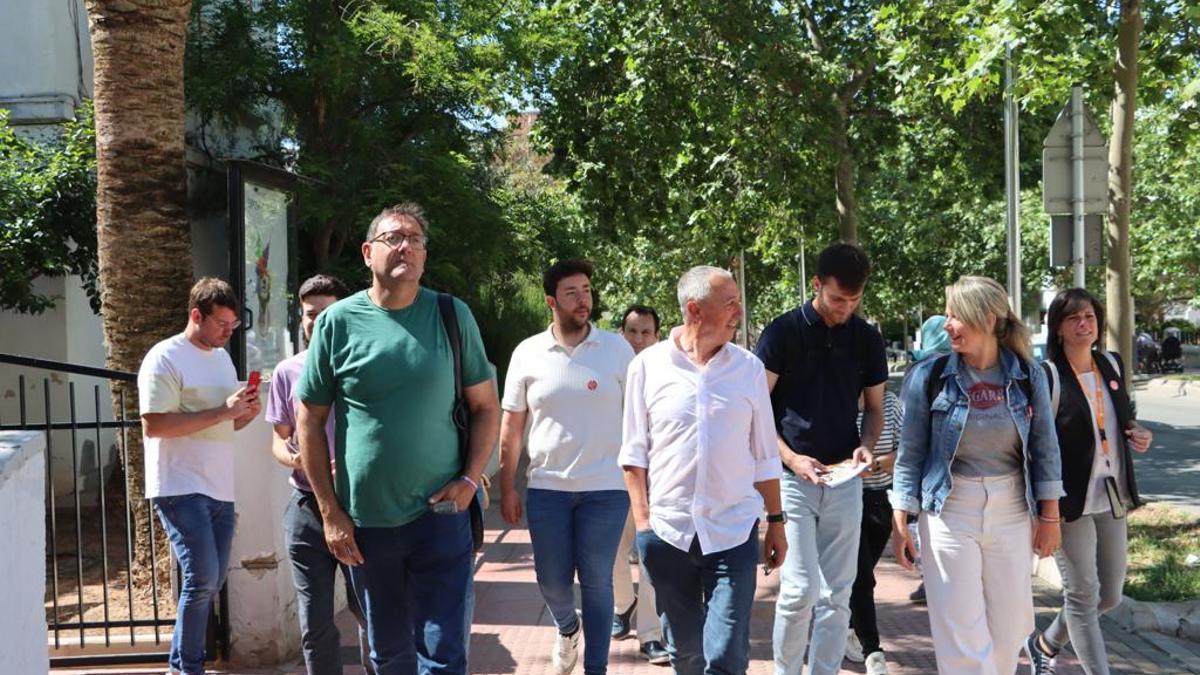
{"x":1118,"y":287}
{"x":143,"y":236}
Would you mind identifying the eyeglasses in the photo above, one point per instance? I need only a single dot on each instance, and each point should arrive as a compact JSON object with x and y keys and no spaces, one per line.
{"x":395,"y":238}
{"x":226,"y":325}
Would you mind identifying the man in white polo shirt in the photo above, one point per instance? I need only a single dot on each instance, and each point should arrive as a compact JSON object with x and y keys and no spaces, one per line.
{"x":701,"y":466}
{"x":566,"y":385}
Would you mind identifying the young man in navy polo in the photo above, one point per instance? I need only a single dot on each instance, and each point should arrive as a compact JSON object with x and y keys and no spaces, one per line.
{"x":819,"y":357}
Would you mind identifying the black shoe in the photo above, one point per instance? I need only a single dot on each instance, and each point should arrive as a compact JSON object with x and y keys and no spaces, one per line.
{"x":654,"y":652}
{"x":1040,"y":663}
{"x":918,"y":596}
{"x":623,"y":622}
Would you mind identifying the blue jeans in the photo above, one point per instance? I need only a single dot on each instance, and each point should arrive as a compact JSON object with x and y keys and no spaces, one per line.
{"x":314,"y":571}
{"x":200,"y":529}
{"x":415,"y":588}
{"x":817,"y":576}
{"x":578,"y":532}
{"x":704,"y":602}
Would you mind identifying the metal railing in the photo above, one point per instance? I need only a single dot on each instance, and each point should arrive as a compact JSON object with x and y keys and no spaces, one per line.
{"x":97,"y":637}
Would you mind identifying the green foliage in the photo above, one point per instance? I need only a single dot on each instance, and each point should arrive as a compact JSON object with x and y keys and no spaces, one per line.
{"x":1160,"y":538}
{"x":683,"y":132}
{"x":47,"y":211}
{"x":1165,"y":238}
{"x":380,"y":101}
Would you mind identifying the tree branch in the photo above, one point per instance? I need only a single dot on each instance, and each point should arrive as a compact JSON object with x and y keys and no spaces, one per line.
{"x":814,"y":32}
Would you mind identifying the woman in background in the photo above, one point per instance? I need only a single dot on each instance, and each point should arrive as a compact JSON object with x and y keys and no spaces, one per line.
{"x":1096,"y":429}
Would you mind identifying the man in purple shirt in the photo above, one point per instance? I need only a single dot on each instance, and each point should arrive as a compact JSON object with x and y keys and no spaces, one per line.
{"x":313,"y":566}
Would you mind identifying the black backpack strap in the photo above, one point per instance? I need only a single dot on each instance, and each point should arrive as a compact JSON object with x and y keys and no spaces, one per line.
{"x":450,"y":323}
{"x":934,"y":384}
{"x":1027,"y":383}
{"x":460,"y":414}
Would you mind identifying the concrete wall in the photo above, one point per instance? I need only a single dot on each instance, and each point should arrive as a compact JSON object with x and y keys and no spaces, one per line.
{"x":23,"y":565}
{"x":265,"y":628}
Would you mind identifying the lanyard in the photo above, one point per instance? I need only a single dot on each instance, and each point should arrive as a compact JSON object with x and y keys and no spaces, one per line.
{"x":1096,"y":400}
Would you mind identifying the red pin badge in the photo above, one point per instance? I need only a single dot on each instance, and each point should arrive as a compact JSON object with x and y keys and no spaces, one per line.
{"x":1112,"y":384}
{"x":592,"y":384}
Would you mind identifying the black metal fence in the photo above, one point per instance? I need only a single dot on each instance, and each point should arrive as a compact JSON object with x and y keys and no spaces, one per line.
{"x":109,"y":596}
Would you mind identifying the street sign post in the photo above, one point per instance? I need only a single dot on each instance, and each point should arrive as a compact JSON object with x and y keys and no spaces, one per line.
{"x":1075,"y":185}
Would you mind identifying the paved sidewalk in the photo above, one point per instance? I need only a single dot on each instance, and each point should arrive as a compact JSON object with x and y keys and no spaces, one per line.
{"x":513,"y":632}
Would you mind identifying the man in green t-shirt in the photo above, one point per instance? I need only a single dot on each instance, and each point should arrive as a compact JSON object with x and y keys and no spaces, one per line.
{"x":396,"y":511}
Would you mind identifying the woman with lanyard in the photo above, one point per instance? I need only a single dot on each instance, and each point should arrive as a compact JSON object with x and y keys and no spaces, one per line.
{"x":1094,"y":419}
{"x":979,"y":462}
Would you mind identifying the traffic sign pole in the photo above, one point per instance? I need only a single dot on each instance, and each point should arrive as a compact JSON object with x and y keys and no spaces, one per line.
{"x":1078,"y":248}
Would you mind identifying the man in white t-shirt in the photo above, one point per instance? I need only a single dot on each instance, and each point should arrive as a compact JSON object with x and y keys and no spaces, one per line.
{"x":640,"y":327}
{"x":190,"y":405}
{"x":566,"y":385}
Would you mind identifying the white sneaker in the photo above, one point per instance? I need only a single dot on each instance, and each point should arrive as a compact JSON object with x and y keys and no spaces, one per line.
{"x":853,"y":648}
{"x":876,"y":664}
{"x":566,"y":652}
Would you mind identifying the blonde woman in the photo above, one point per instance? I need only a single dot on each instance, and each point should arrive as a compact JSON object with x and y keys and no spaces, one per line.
{"x":979,"y":462}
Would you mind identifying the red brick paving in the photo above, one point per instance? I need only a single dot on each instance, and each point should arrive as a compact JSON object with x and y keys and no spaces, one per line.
{"x":513,"y":632}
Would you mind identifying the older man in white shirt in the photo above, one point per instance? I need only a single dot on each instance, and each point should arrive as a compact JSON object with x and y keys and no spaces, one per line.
{"x":701,"y":466}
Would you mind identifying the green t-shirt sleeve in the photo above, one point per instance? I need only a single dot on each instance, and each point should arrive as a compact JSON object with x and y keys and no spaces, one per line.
{"x":317,"y":385}
{"x":475,"y":364}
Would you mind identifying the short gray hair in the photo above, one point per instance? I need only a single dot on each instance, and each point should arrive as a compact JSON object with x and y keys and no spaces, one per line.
{"x":696,"y":284}
{"x":411,"y":210}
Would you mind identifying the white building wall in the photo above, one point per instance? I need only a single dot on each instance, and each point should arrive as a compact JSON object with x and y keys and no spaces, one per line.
{"x":45,"y":59}
{"x":69,"y":332}
{"x":23,"y":565}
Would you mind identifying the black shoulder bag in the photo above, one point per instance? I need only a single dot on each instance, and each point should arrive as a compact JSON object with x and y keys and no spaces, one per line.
{"x":460,"y":413}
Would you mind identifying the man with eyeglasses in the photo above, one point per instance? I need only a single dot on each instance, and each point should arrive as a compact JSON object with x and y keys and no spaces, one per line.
{"x":396,"y":512}
{"x":565,"y":385}
{"x":190,"y":405}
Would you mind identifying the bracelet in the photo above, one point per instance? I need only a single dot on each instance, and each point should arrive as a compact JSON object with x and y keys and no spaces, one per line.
{"x":468,"y":479}
{"x":1045,"y":519}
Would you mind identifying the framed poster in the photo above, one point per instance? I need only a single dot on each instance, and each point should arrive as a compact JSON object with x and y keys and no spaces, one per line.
{"x":261,"y":201}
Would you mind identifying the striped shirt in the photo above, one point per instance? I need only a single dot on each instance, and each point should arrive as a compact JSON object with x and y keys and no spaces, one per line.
{"x":889,"y":439}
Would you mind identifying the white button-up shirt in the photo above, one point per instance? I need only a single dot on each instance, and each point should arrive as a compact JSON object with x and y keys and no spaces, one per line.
{"x":705,"y":436}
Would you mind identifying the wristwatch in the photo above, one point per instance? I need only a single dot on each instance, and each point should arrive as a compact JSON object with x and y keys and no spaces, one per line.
{"x":780,"y":517}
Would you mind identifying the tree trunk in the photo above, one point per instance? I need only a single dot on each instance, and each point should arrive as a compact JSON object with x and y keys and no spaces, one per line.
{"x":1118,"y":289}
{"x":847,"y":206}
{"x":143,"y":236}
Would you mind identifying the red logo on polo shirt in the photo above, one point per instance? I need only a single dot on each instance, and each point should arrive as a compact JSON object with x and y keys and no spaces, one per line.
{"x":592,"y":384}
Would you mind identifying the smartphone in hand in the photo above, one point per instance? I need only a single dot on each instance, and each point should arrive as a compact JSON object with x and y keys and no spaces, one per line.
{"x":254,"y":380}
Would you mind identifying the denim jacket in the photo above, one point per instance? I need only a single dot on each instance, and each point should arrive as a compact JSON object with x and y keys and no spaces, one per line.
{"x":931,"y":431}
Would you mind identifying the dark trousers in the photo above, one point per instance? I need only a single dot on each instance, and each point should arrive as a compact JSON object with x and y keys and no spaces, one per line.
{"x":314,"y":571}
{"x":415,"y":587}
{"x":704,"y":602}
{"x":876,"y":527}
